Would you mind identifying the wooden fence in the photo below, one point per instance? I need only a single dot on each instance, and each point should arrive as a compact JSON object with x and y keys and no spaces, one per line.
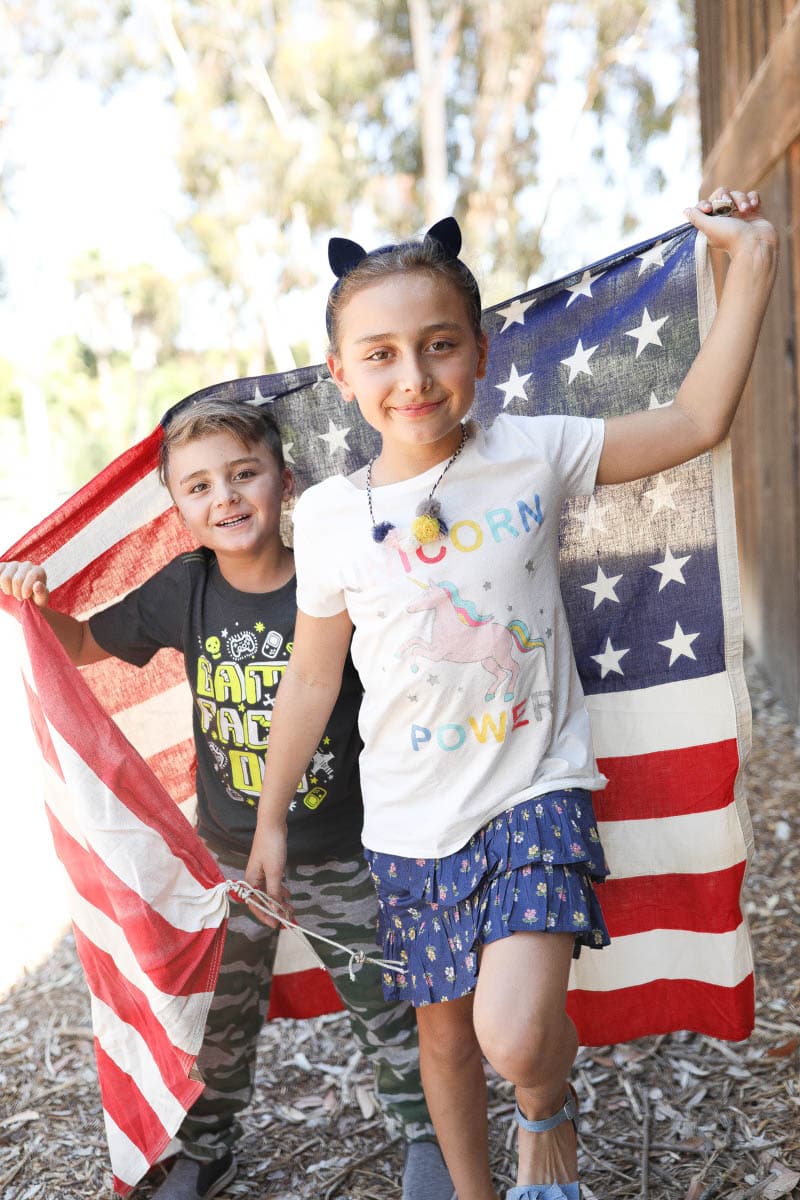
{"x":749,"y":67}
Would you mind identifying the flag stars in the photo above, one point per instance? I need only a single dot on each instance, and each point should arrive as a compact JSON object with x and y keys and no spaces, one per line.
{"x":646,"y":334}
{"x":336,"y":438}
{"x":592,"y":517}
{"x":610,"y":659}
{"x":656,"y":403}
{"x":670,"y":569}
{"x":578,"y":362}
{"x":603,"y":587}
{"x":288,"y":457}
{"x":514,"y":313}
{"x":583,"y":287}
{"x":651,"y":258}
{"x":660,"y":496}
{"x":680,"y":645}
{"x":514,"y":386}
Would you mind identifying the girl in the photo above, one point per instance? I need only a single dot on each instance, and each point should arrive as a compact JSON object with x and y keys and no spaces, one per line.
{"x":477,"y":769}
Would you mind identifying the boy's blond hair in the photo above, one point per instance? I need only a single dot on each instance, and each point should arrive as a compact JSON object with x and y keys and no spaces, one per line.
{"x":247,"y":423}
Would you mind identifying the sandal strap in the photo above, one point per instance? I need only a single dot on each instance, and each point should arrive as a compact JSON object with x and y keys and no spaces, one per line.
{"x":568,"y":1112}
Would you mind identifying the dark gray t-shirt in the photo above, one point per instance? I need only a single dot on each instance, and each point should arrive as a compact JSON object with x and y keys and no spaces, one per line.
{"x":236,"y":646}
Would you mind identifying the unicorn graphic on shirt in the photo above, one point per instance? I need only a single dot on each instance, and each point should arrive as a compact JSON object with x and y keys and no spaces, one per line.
{"x":462,"y":634}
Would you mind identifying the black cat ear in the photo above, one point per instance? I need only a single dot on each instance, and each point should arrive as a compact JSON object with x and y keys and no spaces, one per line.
{"x":447,"y":234}
{"x":343,"y":255}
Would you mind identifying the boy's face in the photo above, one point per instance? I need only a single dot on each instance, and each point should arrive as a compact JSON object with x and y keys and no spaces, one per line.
{"x":229,"y":495}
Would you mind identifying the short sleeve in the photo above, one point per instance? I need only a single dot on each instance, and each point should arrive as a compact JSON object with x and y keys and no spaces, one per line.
{"x":574,"y":446}
{"x":147,"y":619}
{"x":319,"y":588}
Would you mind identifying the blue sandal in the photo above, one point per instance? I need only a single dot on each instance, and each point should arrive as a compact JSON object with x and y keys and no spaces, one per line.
{"x":547,"y":1191}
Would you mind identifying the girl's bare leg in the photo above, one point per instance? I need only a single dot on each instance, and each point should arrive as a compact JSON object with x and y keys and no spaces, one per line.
{"x":528,"y":1038}
{"x":451,"y":1065}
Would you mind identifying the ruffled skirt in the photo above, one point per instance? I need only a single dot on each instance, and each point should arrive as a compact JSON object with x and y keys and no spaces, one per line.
{"x":531,"y":868}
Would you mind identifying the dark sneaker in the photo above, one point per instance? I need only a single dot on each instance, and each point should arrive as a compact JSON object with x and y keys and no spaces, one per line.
{"x":193,"y":1180}
{"x":425,"y":1176}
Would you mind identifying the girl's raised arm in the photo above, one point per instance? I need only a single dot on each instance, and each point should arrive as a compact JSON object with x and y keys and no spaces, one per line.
{"x":644,"y":443}
{"x":306,"y":696}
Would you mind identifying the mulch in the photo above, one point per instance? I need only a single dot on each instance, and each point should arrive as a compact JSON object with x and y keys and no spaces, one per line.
{"x":680,"y":1117}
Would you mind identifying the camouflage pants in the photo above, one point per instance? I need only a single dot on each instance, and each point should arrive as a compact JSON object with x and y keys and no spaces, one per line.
{"x":338,"y":900}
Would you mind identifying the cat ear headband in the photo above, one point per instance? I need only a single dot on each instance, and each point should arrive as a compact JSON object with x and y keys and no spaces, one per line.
{"x":344,"y":255}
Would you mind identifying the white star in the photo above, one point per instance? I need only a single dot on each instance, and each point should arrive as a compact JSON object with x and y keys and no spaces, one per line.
{"x":592,"y":517}
{"x":514,"y":313}
{"x":646,"y":334}
{"x":603,"y":587}
{"x":257,"y":398}
{"x":670,"y":569}
{"x":583,"y":287}
{"x":335,"y":437}
{"x":609,"y":659}
{"x":656,"y":403}
{"x":287,"y":453}
{"x":651,"y":258}
{"x":513,"y":388}
{"x":579,"y":361}
{"x":680,"y":644}
{"x":660,"y":496}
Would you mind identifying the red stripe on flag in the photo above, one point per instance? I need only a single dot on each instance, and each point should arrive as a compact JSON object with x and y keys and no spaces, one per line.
{"x":668,"y":783}
{"x":176,"y":961}
{"x":132,"y":1006}
{"x":128,"y":1107}
{"x":137,"y":555}
{"x":73,"y":710}
{"x":308,"y":993}
{"x":61,"y":526}
{"x":662,"y":1006}
{"x":175,"y":768}
{"x":706,"y":903}
{"x":41,"y":731}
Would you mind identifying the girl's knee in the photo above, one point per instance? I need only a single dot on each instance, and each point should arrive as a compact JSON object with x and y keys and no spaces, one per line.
{"x":526,"y":1053}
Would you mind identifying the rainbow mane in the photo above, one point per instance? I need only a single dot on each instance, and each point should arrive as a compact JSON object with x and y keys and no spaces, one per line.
{"x":465,"y":609}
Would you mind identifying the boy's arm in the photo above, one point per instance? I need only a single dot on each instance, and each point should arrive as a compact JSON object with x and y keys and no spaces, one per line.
{"x":303,"y":705}
{"x":644,"y":443}
{"x":27,"y":581}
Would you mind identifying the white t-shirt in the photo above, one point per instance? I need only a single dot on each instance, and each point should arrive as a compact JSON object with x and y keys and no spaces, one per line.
{"x":472,"y":701}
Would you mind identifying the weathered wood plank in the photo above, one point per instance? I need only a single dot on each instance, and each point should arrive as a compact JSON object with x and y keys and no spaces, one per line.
{"x":765,"y":121}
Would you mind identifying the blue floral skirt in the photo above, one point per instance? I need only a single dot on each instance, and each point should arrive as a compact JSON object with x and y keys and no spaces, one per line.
{"x":529,"y":869}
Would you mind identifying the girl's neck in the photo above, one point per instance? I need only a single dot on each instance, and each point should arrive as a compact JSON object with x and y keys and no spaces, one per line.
{"x":398,"y":462}
{"x":271,"y":568}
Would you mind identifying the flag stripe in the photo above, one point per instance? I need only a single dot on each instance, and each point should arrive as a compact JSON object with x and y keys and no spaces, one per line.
{"x":134,"y":1115}
{"x":122,"y":1042}
{"x":669,"y":716}
{"x":668,"y":783}
{"x":106,"y":935}
{"x":722,"y":959}
{"x":661,"y":1006}
{"x":159,"y":724}
{"x":134,"y":1009}
{"x":167,"y":954}
{"x":697,"y":842}
{"x":707,"y":902}
{"x":114,"y":483}
{"x":130,"y":1165}
{"x":307,"y":993}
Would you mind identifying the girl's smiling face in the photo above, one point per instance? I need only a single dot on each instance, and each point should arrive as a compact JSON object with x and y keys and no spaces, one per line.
{"x":409,"y":355}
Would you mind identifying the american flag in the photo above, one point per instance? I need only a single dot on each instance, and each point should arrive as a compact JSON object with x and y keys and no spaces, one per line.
{"x":650,"y":583}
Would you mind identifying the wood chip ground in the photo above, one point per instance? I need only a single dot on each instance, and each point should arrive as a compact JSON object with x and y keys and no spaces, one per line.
{"x":681,"y":1117}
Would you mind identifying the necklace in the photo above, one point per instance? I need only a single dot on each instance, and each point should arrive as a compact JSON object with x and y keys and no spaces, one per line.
{"x":428,"y":524}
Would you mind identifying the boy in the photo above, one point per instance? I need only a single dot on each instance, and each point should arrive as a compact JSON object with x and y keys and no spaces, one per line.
{"x":230,"y":608}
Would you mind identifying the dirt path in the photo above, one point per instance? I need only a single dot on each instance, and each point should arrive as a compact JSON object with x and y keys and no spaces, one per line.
{"x":711,"y":1119}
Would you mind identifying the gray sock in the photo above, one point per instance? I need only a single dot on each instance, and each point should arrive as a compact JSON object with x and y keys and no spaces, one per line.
{"x":425,"y":1176}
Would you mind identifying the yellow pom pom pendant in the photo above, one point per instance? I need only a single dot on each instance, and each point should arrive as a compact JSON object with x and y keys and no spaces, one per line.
{"x":426,"y":529}
{"x":428,"y":525}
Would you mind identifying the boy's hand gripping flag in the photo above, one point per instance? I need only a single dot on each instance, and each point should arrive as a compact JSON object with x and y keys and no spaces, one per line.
{"x":649,"y":577}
